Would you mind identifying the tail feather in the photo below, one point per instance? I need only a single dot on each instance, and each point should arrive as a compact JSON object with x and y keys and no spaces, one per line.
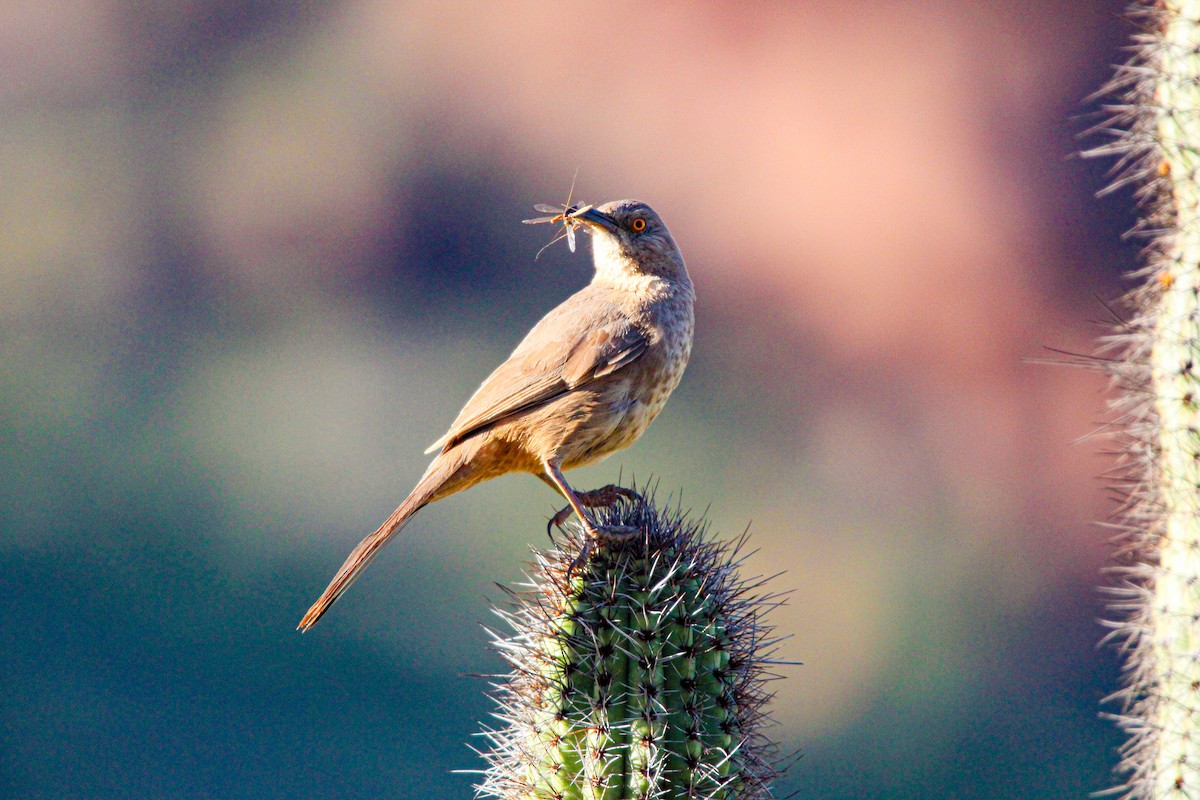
{"x":368,"y":548}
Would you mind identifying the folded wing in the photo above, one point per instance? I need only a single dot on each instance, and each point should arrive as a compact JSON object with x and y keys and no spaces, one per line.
{"x":545,"y":366}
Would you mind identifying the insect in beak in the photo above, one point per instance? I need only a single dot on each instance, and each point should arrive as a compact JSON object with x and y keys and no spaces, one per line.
{"x":557,"y":214}
{"x":564,"y":214}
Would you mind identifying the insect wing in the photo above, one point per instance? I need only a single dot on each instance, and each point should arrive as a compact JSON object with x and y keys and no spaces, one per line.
{"x":555,"y":212}
{"x":563,"y":214}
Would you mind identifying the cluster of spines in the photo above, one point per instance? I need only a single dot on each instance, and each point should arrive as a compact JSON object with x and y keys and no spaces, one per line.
{"x":639,"y":674}
{"x":1155,"y":360}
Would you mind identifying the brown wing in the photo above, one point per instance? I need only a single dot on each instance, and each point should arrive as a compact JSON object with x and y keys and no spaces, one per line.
{"x":573,"y":345}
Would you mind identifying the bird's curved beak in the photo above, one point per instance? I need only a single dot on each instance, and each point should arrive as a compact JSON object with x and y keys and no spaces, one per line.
{"x":594,"y":218}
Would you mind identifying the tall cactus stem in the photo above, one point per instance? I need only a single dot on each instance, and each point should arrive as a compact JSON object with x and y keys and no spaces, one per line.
{"x":639,"y":674}
{"x":1156,"y":366}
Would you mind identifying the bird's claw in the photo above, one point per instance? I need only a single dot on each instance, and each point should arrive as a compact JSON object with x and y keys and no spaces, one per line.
{"x":580,"y":560}
{"x":557,"y":520}
{"x":614,"y":533}
{"x":600,"y":534}
{"x":595,"y":498}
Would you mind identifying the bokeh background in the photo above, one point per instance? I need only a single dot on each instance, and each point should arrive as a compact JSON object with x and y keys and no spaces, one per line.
{"x":255,"y":255}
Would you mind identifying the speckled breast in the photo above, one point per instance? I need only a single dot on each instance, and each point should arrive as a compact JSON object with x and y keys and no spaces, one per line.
{"x":657,"y":375}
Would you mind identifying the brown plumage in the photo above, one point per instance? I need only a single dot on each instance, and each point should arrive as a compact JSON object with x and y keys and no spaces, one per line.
{"x":586,"y":381}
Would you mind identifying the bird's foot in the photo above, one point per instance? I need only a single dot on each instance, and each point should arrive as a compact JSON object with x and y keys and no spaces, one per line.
{"x":614,"y":533}
{"x":581,"y":559}
{"x":596,"y":498}
{"x":600,"y":534}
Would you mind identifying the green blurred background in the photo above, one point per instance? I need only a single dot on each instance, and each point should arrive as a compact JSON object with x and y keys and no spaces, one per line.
{"x":254,"y":257}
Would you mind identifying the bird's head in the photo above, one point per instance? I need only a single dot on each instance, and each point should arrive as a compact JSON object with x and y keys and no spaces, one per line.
{"x":629,"y":240}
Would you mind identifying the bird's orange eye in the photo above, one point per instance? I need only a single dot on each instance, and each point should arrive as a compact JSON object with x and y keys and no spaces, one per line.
{"x":638,"y":225}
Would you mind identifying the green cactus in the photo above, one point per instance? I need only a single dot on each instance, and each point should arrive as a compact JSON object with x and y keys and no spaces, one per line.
{"x":1157,"y":373}
{"x":636,"y":675}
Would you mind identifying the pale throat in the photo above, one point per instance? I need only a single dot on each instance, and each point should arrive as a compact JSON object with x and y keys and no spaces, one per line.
{"x":615,"y":269}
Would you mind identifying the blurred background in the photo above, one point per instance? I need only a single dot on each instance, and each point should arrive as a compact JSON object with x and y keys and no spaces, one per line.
{"x":255,"y":255}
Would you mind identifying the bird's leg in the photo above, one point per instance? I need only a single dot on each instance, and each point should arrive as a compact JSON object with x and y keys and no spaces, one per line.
{"x":595,"y":498}
{"x":554,"y":476}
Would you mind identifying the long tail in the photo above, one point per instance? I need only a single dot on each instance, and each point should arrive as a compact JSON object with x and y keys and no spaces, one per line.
{"x":368,"y":548}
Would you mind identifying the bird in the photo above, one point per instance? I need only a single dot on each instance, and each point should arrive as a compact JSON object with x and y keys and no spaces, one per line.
{"x":585,"y":381}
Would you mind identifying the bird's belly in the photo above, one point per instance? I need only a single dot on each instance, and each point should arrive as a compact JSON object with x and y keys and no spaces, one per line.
{"x":627,"y":428}
{"x":634,"y":415}
{"x":613,"y":412}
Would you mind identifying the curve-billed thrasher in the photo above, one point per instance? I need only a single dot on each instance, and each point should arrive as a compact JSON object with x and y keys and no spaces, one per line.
{"x":586,"y":381}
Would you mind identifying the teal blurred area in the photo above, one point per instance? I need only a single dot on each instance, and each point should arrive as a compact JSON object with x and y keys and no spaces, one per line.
{"x":254,"y":256}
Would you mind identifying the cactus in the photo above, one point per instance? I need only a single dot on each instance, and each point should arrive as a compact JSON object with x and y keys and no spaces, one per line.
{"x":638,"y":674}
{"x":1155,"y":361}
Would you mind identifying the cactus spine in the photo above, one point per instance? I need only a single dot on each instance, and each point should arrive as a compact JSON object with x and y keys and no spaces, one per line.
{"x":639,"y":674}
{"x":1157,"y":372}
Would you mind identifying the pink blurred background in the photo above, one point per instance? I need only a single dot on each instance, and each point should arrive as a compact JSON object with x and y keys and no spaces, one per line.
{"x":256,"y":255}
